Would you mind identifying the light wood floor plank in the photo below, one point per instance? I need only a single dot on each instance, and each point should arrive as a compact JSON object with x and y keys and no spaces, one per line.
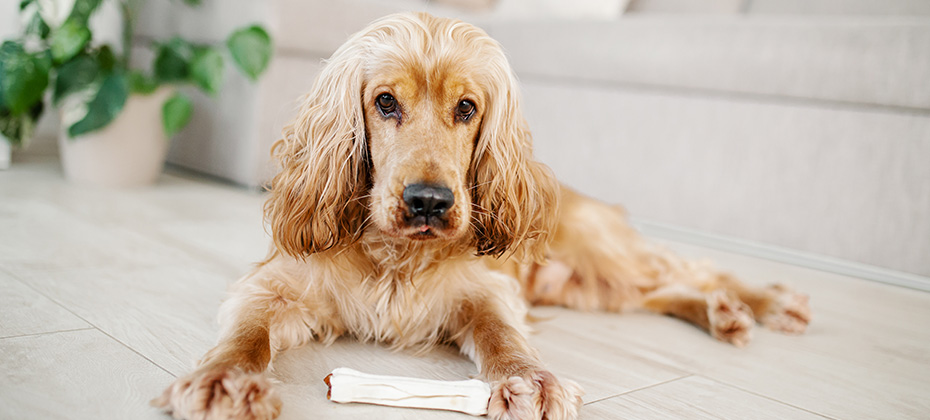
{"x":167,"y":313}
{"x":603,"y":368}
{"x":692,"y":398}
{"x":52,"y":223}
{"x":24,"y":311}
{"x":75,"y":375}
{"x":41,"y":234}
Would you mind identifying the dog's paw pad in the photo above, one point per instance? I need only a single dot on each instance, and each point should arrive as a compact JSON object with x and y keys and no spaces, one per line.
{"x":730,"y":319}
{"x":512,"y":399}
{"x":789,"y":312}
{"x":220,"y":394}
{"x":538,"y":395}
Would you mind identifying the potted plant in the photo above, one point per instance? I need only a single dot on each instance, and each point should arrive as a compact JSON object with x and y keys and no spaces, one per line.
{"x":116,"y":119}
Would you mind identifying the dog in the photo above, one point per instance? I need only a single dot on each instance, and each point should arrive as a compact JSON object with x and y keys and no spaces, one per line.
{"x":409,"y":210}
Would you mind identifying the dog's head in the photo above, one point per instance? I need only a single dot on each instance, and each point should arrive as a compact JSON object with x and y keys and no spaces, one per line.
{"x":413,"y":129}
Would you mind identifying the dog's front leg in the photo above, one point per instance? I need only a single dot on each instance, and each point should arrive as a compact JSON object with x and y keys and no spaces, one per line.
{"x":229,"y":383}
{"x":265,"y":314}
{"x":521,"y":388}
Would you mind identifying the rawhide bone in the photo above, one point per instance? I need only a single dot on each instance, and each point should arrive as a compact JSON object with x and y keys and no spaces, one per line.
{"x":348,"y":385}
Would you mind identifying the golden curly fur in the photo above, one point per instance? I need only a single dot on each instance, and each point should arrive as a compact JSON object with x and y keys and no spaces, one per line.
{"x":419,"y":100}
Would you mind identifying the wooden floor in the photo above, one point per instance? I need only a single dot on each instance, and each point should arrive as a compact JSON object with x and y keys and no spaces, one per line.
{"x":108,"y":296}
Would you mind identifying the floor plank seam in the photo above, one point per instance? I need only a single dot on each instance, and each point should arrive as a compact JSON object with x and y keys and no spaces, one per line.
{"x":748,"y":391}
{"x":48,"y":332}
{"x":94,"y":326}
{"x":640,"y":389}
{"x":138,"y":353}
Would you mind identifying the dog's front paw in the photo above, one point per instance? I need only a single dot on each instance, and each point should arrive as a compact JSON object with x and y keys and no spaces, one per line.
{"x":730,"y":319}
{"x":535,"y":396}
{"x":220,"y":393}
{"x":788,"y":312}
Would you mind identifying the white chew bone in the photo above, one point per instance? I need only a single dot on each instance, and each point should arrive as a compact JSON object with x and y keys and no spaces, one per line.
{"x":348,"y":385}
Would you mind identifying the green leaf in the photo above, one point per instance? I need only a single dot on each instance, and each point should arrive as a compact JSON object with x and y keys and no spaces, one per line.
{"x":141,"y":84}
{"x":251,"y":50}
{"x":82,"y":10}
{"x":207,"y":69}
{"x":18,"y":129}
{"x":192,"y":2}
{"x":103,"y":108}
{"x":43,"y":60}
{"x":37,"y":27}
{"x":172,"y":62}
{"x":68,"y":40}
{"x":23,"y":78}
{"x":106,"y":58}
{"x":74,"y":76}
{"x":176,"y":113}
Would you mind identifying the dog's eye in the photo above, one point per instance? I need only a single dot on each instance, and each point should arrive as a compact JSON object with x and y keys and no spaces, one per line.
{"x":386,"y":104}
{"x":465,"y":110}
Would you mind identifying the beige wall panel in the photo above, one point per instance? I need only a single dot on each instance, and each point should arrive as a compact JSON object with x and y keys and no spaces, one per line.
{"x":871,"y":61}
{"x":840,"y":7}
{"x":839,"y":182}
{"x":686,"y":6}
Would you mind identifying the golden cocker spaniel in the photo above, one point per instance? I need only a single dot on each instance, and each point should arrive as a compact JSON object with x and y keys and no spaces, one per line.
{"x":409,"y":210}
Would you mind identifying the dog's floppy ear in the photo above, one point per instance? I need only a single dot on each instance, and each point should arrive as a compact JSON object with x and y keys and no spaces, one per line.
{"x":315,"y":202}
{"x":516,"y":199}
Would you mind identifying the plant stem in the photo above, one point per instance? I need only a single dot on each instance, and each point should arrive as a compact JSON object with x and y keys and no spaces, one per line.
{"x":127,"y":11}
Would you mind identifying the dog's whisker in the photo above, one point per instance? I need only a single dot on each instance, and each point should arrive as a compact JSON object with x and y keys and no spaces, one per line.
{"x":477,"y":185}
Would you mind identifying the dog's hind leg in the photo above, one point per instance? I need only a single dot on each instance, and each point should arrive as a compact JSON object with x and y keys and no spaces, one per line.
{"x":599,"y":262}
{"x":720,"y":313}
{"x":777,"y":306}
{"x":263,"y":315}
{"x":596,"y":260}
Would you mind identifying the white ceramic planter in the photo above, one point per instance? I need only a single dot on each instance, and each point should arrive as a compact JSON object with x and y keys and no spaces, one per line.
{"x":129,"y":152}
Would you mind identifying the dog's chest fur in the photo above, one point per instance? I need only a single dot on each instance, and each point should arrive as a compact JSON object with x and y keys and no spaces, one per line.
{"x":404,"y":296}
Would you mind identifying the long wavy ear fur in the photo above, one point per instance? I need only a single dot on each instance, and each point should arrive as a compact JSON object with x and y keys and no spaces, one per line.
{"x":516,"y":198}
{"x":315,"y":201}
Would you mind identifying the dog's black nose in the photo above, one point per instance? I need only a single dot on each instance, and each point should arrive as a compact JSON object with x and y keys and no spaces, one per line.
{"x":428,"y":200}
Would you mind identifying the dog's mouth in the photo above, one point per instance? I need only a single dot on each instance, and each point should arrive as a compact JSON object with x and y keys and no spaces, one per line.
{"x":418,"y":227}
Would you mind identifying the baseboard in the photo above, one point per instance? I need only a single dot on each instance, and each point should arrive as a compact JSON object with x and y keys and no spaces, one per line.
{"x":784,"y":255}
